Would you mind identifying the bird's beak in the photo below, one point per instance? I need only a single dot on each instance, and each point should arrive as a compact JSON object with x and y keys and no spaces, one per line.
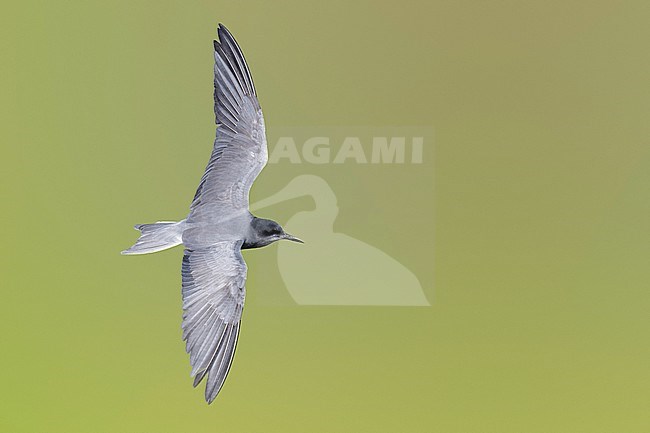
{"x":289,"y":237}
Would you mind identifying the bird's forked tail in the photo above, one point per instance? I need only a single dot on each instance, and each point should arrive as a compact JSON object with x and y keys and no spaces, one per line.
{"x":157,"y":237}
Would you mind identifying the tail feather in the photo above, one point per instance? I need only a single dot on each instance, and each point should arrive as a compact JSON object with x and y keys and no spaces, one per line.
{"x":157,"y":237}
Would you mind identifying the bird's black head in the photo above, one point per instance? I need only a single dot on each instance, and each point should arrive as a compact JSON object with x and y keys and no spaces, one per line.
{"x":264,"y":232}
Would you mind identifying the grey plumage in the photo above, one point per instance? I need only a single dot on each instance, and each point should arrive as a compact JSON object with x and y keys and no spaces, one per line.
{"x":219,"y":224}
{"x":213,"y":300}
{"x":240,"y":151}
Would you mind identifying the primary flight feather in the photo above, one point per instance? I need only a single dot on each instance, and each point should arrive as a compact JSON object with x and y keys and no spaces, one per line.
{"x":219,"y":224}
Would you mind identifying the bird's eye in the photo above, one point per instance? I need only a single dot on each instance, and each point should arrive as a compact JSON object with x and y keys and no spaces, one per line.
{"x":271,"y":230}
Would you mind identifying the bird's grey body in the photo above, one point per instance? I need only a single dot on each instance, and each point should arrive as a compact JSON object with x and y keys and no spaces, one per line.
{"x":219,"y":224}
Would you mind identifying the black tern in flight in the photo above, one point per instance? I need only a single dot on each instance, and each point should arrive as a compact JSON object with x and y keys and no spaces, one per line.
{"x":219,"y":224}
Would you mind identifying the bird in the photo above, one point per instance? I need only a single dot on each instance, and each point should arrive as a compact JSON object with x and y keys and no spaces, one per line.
{"x":365,"y":274}
{"x":219,"y":224}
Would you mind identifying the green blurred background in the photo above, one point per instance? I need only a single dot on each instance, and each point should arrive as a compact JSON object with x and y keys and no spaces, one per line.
{"x":533,"y":201}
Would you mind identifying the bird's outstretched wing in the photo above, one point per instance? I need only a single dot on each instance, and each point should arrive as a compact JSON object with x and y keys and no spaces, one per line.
{"x":240,"y":150}
{"x":213,"y":299}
